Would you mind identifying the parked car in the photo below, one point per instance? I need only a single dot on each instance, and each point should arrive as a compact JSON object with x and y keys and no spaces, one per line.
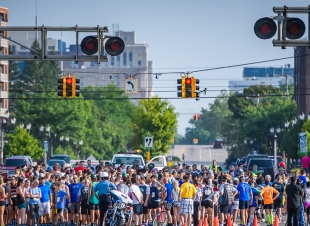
{"x":264,"y":165}
{"x":279,"y":158}
{"x":233,"y":164}
{"x":66,"y":158}
{"x":11,"y":163}
{"x":61,"y":162}
{"x":218,"y":144}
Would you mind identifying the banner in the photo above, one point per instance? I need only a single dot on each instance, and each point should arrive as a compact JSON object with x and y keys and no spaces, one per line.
{"x":303,"y":145}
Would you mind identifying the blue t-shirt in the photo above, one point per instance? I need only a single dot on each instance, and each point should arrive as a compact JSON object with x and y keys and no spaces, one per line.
{"x":74,"y":191}
{"x":169,"y":188}
{"x":35,"y":191}
{"x":244,"y":190}
{"x":60,"y":204}
{"x":103,"y":187}
{"x":45,"y":192}
{"x":255,"y":193}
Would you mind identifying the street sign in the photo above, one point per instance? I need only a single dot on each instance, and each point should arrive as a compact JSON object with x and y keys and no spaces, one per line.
{"x":303,"y":145}
{"x":46,"y":146}
{"x":131,"y":86}
{"x":148,"y":142}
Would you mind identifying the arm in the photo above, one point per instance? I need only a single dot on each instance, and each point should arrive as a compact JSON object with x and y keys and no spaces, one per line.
{"x":90,"y":191}
{"x":32,"y":195}
{"x":277,"y":194}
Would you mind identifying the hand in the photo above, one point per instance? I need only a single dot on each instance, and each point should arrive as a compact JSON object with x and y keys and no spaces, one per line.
{"x":145,"y":204}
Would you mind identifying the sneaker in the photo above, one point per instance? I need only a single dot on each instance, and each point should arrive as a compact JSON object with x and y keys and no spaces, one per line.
{"x":263,"y":220}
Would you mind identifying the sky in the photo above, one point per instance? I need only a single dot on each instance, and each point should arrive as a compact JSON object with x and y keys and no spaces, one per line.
{"x":182,"y":36}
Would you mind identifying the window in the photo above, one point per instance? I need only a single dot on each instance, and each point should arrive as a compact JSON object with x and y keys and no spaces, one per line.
{"x":22,"y":47}
{"x":125,"y":59}
{"x":139,"y":63}
{"x":87,"y":77}
{"x":102,"y":77}
{"x":96,"y":76}
{"x":97,"y":84}
{"x":112,"y":61}
{"x":15,"y":162}
{"x":102,"y":84}
{"x":82,"y":77}
{"x":118,"y":61}
{"x":50,"y":47}
{"x":130,"y":59}
{"x":82,"y":84}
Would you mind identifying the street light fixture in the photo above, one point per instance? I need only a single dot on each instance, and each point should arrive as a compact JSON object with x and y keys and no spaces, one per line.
{"x":271,"y":130}
{"x":286,"y":125}
{"x":245,"y":141}
{"x":274,"y":133}
{"x":21,"y":126}
{"x":13,"y":121}
{"x":28,"y":126}
{"x":294,"y":121}
{"x":302,"y":116}
{"x":278,"y":130}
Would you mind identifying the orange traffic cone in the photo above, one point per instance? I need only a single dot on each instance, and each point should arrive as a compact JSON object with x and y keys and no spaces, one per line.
{"x":200,"y":223}
{"x":184,"y":223}
{"x":216,"y":221}
{"x":255,"y":223}
{"x":205,"y":223}
{"x":276,"y":221}
{"x":229,"y":223}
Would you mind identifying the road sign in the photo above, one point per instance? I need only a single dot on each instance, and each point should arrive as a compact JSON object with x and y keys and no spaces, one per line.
{"x":46,"y":146}
{"x":303,"y":145}
{"x":131,"y":86}
{"x":148,"y":142}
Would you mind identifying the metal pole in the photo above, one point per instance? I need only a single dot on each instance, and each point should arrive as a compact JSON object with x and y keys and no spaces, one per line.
{"x":45,"y":157}
{"x":275,"y":155}
{"x":148,"y":154}
{"x":2,"y":132}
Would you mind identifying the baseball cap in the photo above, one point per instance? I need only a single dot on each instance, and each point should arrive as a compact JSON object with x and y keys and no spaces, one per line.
{"x":281,"y":168}
{"x":104,"y":174}
{"x":93,"y":176}
{"x":41,"y":175}
{"x":176,"y":164}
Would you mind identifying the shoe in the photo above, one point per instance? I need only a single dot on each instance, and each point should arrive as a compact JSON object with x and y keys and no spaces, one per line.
{"x":263,"y":220}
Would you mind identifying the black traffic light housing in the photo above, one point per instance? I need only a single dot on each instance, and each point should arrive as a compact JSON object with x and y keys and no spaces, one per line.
{"x":77,"y":87}
{"x":60,"y":87}
{"x":89,"y":45}
{"x":295,"y":28}
{"x":265,"y":28}
{"x":179,"y":81}
{"x":114,"y":46}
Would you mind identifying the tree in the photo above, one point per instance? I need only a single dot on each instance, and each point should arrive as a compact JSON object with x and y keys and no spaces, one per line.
{"x":22,"y":143}
{"x":155,"y":118}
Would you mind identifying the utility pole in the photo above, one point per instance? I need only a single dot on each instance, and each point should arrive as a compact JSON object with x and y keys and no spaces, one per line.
{"x":286,"y":80}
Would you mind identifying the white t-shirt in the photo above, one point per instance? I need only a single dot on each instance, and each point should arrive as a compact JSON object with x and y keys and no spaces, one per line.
{"x":135,"y":189}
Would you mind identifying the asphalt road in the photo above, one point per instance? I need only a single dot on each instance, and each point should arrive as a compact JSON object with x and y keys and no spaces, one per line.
{"x":199,"y":154}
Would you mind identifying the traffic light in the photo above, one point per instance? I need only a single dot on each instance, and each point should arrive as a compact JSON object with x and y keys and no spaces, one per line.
{"x":195,"y":87}
{"x":114,"y":46}
{"x":265,"y":28}
{"x":181,"y":88}
{"x":61,"y":87}
{"x":75,"y":87}
{"x":195,"y":141}
{"x":188,"y":87}
{"x":69,"y":81}
{"x":196,"y":117}
{"x":295,"y":28}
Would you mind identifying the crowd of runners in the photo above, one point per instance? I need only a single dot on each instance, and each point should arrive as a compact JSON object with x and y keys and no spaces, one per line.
{"x":80,"y":195}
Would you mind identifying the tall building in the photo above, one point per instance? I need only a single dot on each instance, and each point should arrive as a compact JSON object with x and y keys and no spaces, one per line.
{"x":274,"y":76}
{"x":4,"y":64}
{"x":133,"y":61}
{"x":301,"y":82}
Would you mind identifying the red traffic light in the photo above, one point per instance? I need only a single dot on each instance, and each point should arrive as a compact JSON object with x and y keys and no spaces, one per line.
{"x":188,"y":81}
{"x":89,"y":45}
{"x":114,"y":46}
{"x":295,"y":28}
{"x":265,"y":28}
{"x":69,"y":81}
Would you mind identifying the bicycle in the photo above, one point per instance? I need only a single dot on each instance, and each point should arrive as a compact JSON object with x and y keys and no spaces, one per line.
{"x":162,"y":218}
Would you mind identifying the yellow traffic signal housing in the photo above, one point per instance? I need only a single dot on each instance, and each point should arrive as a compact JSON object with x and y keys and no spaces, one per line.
{"x":195,"y":87}
{"x":181,"y":88}
{"x":195,"y":141}
{"x":73,"y":86}
{"x":64,"y":86}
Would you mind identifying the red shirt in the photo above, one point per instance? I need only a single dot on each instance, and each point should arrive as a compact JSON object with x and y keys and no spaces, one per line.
{"x":77,"y":169}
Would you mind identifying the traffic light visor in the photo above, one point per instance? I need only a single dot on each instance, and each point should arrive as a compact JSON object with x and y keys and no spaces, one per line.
{"x":265,"y":28}
{"x":114,"y":46}
{"x":295,"y":28}
{"x":89,"y":45}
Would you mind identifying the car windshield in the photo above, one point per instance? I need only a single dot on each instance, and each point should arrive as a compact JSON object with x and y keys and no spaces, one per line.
{"x":15,"y":162}
{"x":261,"y":163}
{"x":127,"y":160}
{"x":59,"y":157}
{"x":52,"y":162}
{"x":256,"y":156}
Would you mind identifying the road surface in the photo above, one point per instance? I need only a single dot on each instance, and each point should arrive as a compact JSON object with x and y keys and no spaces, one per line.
{"x":199,"y":154}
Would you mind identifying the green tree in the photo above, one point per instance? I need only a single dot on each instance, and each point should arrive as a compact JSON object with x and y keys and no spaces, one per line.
{"x":155,"y":118}
{"x":22,"y":143}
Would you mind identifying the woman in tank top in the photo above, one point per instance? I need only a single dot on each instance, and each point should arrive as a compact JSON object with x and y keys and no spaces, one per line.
{"x":20,"y":201}
{"x":93,"y":201}
{"x":3,"y":195}
{"x":175,"y":202}
{"x":27,"y":198}
{"x":12,"y":200}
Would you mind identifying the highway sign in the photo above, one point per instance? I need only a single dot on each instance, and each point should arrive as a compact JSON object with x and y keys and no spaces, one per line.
{"x":148,"y":142}
{"x":131,"y":86}
{"x":46,"y":146}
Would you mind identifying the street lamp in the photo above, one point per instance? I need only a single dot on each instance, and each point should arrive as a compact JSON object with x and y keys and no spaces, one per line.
{"x":274,"y":133}
{"x":28,"y":126}
{"x":67,"y":139}
{"x":21,"y":126}
{"x":4,"y":117}
{"x":81,"y":143}
{"x":294,"y":121}
{"x":286,"y":125}
{"x":302,"y":116}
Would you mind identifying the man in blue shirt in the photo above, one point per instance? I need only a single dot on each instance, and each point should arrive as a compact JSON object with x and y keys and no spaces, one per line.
{"x":245,"y":199}
{"x":45,"y":205}
{"x":103,"y":188}
{"x":74,"y":189}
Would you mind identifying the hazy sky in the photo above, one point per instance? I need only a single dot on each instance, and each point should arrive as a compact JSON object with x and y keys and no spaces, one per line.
{"x":182,"y":36}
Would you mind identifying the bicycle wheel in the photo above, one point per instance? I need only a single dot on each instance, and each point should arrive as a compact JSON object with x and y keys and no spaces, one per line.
{"x":161,"y":219}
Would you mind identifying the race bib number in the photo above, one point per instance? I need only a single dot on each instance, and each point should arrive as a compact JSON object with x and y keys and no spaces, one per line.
{"x":153,"y":194}
{"x":58,"y":199}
